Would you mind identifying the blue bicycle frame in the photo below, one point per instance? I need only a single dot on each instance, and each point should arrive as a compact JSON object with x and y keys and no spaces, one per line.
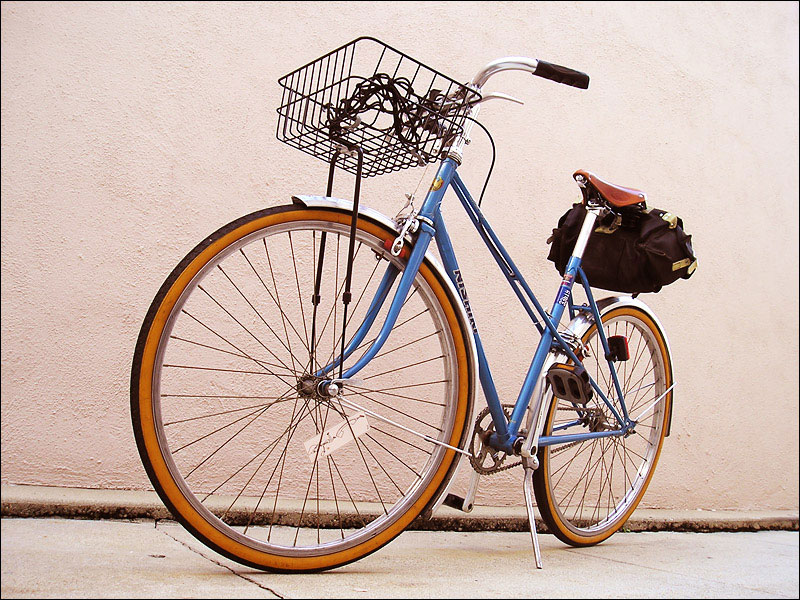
{"x":507,"y":430}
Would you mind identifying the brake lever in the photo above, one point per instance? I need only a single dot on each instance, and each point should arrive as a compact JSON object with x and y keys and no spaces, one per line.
{"x":497,"y":96}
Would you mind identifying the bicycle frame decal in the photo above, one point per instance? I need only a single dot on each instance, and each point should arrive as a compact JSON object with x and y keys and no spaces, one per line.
{"x":459,"y":281}
{"x":565,"y":289}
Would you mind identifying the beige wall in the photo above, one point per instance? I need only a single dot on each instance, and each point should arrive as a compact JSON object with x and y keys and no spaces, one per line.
{"x":131,"y":131}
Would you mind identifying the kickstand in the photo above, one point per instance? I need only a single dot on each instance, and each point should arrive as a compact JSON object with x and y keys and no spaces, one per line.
{"x":528,"y":491}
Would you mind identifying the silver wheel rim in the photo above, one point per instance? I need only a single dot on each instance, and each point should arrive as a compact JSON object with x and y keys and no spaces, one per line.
{"x":249,"y":536}
{"x":590,"y":512}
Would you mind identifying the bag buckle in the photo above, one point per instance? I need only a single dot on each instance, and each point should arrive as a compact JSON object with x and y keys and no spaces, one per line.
{"x":671,"y":219}
{"x":615,"y":224}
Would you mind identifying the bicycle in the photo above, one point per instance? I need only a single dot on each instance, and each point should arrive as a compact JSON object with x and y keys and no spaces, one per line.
{"x":294,"y":418}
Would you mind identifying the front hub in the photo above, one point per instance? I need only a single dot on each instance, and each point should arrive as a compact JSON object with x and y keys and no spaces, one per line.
{"x":307,"y":386}
{"x":310,"y":386}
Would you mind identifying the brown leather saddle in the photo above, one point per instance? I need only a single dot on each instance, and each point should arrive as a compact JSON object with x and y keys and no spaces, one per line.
{"x":615,"y":195}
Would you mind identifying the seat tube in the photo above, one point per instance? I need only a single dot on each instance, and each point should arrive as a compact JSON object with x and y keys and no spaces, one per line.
{"x":565,"y":290}
{"x":560,"y":304}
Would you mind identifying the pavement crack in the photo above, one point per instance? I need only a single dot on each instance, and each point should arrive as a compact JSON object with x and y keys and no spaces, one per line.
{"x":224,"y":566}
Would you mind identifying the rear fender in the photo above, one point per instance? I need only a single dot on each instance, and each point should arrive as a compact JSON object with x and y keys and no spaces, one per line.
{"x":581,"y":323}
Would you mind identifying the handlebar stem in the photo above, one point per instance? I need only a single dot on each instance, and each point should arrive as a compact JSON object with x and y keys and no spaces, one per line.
{"x":509,"y":63}
{"x":456,"y":150}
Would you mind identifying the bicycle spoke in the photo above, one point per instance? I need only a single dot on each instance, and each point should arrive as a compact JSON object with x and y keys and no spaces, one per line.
{"x":336,"y":298}
{"x":366,"y":466}
{"x":202,"y":437}
{"x":292,"y":429}
{"x":399,"y":439}
{"x":422,"y":362}
{"x":590,"y":475}
{"x":249,"y":430}
{"x":224,"y":339}
{"x":335,"y":498}
{"x":260,"y":361}
{"x":277,"y":300}
{"x":216,"y":414}
{"x":397,"y":458}
{"x":381,"y":467}
{"x":202,"y":289}
{"x":299,"y":295}
{"x":288,"y":344}
{"x":221,"y":370}
{"x":226,"y":442}
{"x":398,"y":326}
{"x":349,"y":495}
{"x":271,"y":446}
{"x":397,"y":410}
{"x":410,"y":385}
{"x":314,"y":464}
{"x":256,"y":311}
{"x":393,"y":395}
{"x":404,"y":346}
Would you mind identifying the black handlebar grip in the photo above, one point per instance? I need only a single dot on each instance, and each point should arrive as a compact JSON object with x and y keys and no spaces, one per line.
{"x":561,"y":74}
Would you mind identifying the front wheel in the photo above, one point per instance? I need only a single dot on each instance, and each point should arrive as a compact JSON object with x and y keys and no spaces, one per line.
{"x":586,"y":490}
{"x":233,"y":428}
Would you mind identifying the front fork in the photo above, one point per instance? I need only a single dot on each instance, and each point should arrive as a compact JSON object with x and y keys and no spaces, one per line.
{"x":423,"y":239}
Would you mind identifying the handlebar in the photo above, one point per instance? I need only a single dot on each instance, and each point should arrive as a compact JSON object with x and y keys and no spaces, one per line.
{"x":540,"y":68}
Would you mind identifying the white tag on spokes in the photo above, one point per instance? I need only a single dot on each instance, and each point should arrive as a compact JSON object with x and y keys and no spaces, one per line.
{"x":337,"y":436}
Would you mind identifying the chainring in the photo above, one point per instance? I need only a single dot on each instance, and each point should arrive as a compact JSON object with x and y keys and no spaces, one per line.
{"x":483,"y":458}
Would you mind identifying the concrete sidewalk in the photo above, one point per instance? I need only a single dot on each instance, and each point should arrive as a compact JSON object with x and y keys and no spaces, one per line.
{"x":123,"y":544}
{"x":146,"y":559}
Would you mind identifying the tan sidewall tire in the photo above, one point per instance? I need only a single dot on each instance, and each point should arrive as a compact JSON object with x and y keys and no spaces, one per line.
{"x":545,"y":501}
{"x":142,"y":408}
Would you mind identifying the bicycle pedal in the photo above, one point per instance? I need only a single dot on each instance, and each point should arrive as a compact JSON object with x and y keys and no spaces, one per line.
{"x":570,"y":382}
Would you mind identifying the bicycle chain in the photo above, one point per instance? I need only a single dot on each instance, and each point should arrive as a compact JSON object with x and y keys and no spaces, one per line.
{"x":477,"y":458}
{"x":564,"y":447}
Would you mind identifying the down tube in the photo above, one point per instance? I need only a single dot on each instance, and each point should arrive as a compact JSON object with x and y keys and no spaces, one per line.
{"x":448,"y":255}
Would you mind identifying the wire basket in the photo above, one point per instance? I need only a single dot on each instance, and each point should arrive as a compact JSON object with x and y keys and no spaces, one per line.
{"x":366,"y":94}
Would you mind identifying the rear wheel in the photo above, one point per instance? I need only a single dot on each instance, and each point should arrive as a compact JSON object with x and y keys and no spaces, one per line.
{"x":586,"y":490}
{"x":229,"y":419}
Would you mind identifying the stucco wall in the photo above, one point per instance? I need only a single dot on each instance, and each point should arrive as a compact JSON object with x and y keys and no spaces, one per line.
{"x":131,"y":131}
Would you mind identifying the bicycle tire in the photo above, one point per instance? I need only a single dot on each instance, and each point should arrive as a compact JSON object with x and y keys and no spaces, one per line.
{"x":578,"y":496}
{"x":195,"y":492}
